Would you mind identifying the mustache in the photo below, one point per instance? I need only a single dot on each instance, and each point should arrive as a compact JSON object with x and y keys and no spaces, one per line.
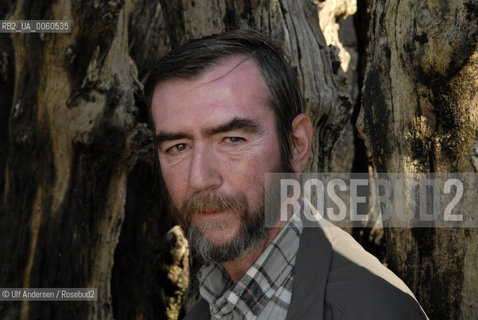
{"x":207,"y":202}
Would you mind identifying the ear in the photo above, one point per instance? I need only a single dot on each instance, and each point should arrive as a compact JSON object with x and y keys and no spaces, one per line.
{"x":301,"y":138}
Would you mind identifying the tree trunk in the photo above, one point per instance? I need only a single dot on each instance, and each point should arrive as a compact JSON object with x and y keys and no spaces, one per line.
{"x":80,"y":203}
{"x":80,"y":199}
{"x":295,"y":26}
{"x":73,"y":137}
{"x":420,"y":114}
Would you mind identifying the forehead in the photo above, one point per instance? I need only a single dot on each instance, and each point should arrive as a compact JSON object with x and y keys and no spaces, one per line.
{"x":235,"y":85}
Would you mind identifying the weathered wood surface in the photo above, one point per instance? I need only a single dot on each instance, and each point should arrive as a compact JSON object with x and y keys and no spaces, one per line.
{"x":77,"y":170}
{"x":72,"y":140}
{"x":420,"y":114}
{"x":80,"y":204}
{"x":294,"y":25}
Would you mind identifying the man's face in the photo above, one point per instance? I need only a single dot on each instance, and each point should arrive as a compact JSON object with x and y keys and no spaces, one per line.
{"x":217,"y":138}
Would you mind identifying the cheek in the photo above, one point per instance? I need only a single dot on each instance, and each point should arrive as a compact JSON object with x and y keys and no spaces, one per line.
{"x":249,"y":180}
{"x":175,"y":185}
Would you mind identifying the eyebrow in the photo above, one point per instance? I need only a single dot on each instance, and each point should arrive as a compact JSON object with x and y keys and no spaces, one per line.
{"x":169,"y":136}
{"x":247,"y":125}
{"x":236,"y":123}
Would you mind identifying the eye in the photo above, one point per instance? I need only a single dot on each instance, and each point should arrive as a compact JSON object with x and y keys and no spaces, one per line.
{"x":234,"y":140}
{"x":177,"y":148}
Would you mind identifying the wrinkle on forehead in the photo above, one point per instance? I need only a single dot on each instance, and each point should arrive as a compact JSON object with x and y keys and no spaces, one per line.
{"x":222,"y":62}
{"x":221,"y":70}
{"x":230,"y":71}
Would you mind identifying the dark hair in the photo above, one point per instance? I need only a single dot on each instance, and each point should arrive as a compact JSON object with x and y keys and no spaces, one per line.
{"x":197,"y":56}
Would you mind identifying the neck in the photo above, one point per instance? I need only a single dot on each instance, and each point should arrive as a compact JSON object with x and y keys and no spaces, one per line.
{"x":237,"y":268}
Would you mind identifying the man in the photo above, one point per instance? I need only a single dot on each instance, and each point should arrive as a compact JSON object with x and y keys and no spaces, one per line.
{"x":226,"y":110}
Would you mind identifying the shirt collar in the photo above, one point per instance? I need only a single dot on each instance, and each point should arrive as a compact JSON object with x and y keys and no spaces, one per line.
{"x":256,"y":287}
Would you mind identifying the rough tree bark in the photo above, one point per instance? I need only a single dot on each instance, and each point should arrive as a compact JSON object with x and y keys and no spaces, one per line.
{"x":420,"y":114}
{"x":78,"y":160}
{"x":79,"y":199}
{"x":294,"y":25}
{"x":72,"y":138}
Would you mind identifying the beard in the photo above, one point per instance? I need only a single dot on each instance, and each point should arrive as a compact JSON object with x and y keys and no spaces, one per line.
{"x":252,"y":229}
{"x":254,"y":224}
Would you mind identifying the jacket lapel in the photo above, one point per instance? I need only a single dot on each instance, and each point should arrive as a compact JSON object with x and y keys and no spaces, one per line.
{"x":310,"y":275}
{"x":199,"y":312}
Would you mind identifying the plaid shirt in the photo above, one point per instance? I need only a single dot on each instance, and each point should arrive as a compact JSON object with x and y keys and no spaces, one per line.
{"x":265,"y":290}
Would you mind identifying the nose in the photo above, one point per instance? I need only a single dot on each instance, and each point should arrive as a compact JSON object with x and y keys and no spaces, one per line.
{"x":203,"y":171}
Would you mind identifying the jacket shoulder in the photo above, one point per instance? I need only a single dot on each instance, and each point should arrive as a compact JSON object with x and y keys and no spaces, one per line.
{"x":359,"y":286}
{"x":199,"y":311}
